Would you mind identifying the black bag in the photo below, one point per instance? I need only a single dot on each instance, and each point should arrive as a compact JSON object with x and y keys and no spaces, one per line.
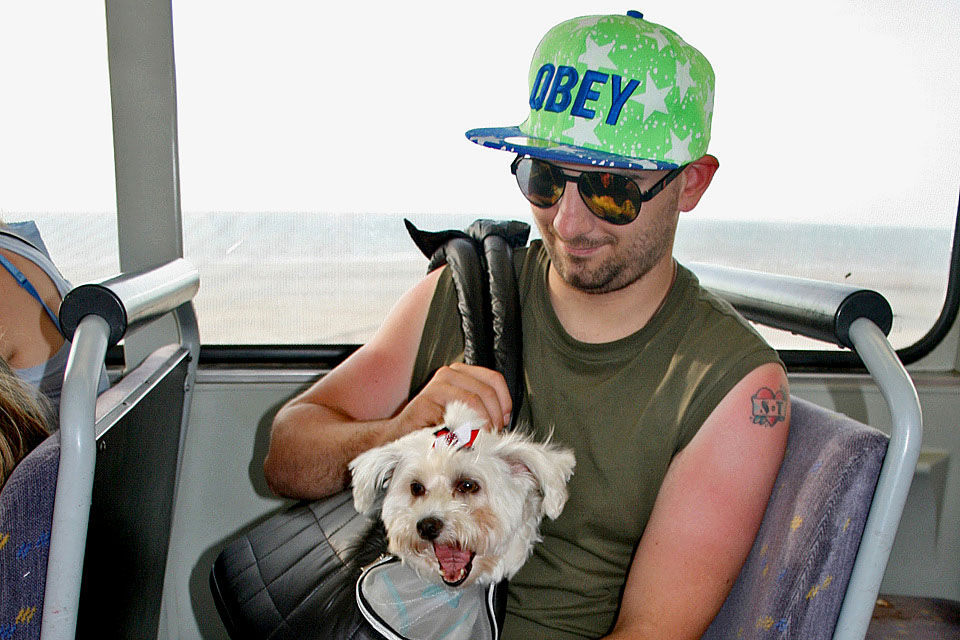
{"x":295,"y":575}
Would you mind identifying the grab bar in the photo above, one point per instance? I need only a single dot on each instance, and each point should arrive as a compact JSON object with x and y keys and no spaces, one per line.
{"x":94,"y":317}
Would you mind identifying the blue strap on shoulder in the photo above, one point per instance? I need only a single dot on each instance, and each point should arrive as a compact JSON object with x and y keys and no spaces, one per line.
{"x":28,"y":286}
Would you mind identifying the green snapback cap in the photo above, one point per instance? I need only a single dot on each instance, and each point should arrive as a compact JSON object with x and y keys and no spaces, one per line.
{"x":614,"y":91}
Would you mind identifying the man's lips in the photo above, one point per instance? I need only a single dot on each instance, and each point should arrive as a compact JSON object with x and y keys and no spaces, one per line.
{"x":580,"y":248}
{"x":580,"y":251}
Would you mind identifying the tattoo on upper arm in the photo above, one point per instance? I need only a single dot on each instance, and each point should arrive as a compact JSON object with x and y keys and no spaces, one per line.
{"x":769,"y":407}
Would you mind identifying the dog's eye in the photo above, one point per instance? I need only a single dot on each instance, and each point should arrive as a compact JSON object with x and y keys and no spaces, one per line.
{"x":417,"y":489}
{"x":467,"y":486}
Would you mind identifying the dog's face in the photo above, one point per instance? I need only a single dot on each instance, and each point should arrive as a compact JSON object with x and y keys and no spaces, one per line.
{"x":464,"y":507}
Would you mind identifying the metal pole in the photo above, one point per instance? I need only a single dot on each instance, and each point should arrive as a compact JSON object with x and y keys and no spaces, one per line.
{"x":78,"y":458}
{"x":893,"y":485}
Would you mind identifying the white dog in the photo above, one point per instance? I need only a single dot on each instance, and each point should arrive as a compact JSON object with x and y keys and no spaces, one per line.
{"x":463,"y":505}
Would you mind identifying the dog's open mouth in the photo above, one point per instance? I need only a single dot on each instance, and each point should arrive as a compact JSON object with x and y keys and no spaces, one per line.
{"x":455,"y":563}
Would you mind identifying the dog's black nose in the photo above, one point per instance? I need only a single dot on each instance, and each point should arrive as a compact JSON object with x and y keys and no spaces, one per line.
{"x":429,"y":528}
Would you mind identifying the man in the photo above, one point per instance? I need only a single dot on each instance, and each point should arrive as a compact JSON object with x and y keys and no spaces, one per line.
{"x":651,"y":380}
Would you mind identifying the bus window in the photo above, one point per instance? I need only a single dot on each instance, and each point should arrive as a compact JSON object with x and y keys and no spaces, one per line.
{"x":56,"y":158}
{"x":308,"y":131}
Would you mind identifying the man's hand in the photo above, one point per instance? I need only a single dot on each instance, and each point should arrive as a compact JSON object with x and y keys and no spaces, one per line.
{"x":484,"y":390}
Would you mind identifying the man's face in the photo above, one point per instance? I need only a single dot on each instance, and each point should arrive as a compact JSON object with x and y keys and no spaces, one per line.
{"x":595,"y":256}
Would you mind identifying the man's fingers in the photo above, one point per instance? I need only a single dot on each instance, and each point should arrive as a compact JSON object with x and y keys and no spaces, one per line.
{"x":482,"y":389}
{"x":496,"y":381}
{"x":499,"y":406}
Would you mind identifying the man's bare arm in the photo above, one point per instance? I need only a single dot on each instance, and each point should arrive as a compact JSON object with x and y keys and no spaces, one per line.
{"x":707,"y":515}
{"x":362,"y":403}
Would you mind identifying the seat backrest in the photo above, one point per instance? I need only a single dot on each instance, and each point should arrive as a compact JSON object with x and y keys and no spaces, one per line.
{"x":138,"y":442}
{"x":795,"y":577}
{"x":138,"y":431}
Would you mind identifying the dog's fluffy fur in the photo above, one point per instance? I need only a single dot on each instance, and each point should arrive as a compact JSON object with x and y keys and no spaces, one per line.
{"x":463,"y":515}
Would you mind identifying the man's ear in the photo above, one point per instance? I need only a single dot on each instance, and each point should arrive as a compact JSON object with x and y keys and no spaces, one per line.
{"x":697,"y":177}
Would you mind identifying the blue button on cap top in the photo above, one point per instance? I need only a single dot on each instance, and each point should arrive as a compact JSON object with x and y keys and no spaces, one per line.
{"x":635,"y":14}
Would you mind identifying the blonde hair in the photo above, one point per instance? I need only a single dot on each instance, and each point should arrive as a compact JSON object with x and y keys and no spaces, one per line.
{"x":23,"y":421}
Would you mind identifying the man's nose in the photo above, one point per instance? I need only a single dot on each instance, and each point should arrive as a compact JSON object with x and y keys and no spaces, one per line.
{"x":573,"y":218}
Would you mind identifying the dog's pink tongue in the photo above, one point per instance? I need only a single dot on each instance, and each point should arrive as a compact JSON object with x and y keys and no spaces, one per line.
{"x":452,"y":560}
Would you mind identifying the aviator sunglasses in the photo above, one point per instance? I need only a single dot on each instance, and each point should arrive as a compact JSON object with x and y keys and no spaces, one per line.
{"x":611,"y":197}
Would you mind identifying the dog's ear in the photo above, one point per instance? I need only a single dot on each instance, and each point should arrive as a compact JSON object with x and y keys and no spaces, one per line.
{"x":371,"y":472}
{"x":550,"y":466}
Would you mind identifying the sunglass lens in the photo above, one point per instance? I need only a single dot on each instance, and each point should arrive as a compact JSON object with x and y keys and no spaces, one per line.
{"x":541,"y":183}
{"x":611,"y":197}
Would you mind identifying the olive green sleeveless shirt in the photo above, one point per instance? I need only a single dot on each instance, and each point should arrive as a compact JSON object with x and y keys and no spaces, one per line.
{"x":625,"y":408}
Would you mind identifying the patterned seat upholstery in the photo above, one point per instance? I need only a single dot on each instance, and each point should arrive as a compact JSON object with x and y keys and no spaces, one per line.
{"x":795,"y":577}
{"x":26,"y":511}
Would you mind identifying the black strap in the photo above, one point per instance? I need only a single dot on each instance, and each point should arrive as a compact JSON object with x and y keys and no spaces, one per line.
{"x":481,"y":265}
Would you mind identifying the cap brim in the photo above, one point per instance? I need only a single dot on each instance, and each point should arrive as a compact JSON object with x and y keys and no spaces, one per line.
{"x":512,"y":139}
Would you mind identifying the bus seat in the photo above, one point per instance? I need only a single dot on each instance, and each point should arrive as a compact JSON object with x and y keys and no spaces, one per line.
{"x":138,"y":427}
{"x":796,"y":575}
{"x":110,"y":471}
